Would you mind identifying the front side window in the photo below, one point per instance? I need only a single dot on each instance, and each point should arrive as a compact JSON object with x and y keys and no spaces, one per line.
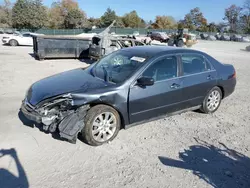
{"x":193,"y":63}
{"x":163,"y":69}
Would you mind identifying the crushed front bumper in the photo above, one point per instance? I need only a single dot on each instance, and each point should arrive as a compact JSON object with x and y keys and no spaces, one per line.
{"x":29,"y":112}
{"x":4,"y":41}
{"x":69,"y":125}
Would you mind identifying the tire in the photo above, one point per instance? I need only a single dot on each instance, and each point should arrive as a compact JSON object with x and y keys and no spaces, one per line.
{"x":94,"y":132}
{"x":171,"y":42}
{"x":13,"y":42}
{"x":205,"y":105}
{"x":180,"y":43}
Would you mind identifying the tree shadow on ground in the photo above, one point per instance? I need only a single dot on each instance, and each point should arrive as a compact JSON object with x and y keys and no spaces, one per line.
{"x":7,"y":179}
{"x":221,"y":168}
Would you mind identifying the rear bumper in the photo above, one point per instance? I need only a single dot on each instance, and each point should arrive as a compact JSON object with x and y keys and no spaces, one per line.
{"x":30,"y":114}
{"x":229,"y":86}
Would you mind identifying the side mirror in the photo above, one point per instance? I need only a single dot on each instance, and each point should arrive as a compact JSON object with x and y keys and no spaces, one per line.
{"x":145,"y":81}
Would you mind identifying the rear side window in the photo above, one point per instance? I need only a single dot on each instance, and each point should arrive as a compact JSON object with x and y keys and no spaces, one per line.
{"x":26,"y":35}
{"x":163,"y":69}
{"x":193,"y":63}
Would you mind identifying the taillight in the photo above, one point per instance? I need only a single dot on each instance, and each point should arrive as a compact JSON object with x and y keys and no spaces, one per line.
{"x":234,"y":74}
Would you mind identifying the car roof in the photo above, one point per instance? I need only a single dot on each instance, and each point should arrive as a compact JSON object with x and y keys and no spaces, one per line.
{"x":152,"y":51}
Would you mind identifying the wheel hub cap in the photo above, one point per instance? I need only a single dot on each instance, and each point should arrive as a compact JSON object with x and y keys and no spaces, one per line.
{"x":104,"y":126}
{"x":213,"y":100}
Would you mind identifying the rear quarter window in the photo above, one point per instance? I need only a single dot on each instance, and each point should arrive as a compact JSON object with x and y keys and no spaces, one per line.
{"x":193,"y":64}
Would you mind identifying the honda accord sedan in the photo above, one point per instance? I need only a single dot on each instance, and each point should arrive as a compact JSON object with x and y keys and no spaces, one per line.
{"x":126,"y":88}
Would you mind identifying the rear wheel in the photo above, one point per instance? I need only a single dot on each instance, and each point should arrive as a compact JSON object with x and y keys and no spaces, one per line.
{"x":102,"y":124}
{"x":212,"y":101}
{"x":180,"y":43}
{"x":13,"y":42}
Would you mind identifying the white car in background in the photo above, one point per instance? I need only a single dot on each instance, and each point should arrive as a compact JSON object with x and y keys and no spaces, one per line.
{"x":16,"y":39}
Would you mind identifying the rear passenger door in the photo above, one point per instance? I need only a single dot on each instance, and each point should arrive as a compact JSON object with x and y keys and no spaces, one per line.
{"x":198,"y":77}
{"x":27,"y":39}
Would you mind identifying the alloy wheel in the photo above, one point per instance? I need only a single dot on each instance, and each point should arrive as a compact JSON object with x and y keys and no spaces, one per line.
{"x":104,"y":126}
{"x":213,"y":100}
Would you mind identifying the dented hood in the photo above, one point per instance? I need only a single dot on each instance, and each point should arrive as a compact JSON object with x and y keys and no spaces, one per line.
{"x":63,"y":83}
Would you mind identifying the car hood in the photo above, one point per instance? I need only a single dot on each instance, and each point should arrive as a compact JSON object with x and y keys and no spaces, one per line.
{"x":63,"y":83}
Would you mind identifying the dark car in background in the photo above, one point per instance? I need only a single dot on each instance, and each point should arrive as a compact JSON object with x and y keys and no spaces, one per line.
{"x":159,"y":36}
{"x":127,"y":87}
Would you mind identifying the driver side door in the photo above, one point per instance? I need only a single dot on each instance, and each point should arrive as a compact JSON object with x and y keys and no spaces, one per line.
{"x":164,"y":96}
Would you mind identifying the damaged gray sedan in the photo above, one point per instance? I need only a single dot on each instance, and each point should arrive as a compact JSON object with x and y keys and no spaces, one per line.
{"x":127,"y":87}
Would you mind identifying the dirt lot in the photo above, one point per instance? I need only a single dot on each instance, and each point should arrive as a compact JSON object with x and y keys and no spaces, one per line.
{"x":188,"y":150}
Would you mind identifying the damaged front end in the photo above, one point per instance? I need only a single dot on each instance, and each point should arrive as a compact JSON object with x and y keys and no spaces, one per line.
{"x":58,"y":113}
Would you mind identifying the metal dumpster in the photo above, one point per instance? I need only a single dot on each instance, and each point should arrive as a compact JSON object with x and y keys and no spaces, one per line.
{"x":60,"y":46}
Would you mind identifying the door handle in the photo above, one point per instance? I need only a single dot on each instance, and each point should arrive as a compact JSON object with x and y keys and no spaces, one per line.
{"x":209,"y":77}
{"x":174,"y":86}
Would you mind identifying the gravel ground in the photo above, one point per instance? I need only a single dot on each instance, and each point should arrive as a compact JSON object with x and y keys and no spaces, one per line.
{"x":187,"y":150}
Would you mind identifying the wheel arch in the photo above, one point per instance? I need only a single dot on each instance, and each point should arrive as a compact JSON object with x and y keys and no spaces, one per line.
{"x":14,"y":40}
{"x":115,"y":108}
{"x":222,"y":91}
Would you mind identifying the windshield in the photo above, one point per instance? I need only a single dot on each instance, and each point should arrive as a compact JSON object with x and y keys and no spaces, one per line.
{"x":118,"y":66}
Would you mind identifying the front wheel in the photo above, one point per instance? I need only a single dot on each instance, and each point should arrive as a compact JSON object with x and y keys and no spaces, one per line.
{"x":102,"y":124}
{"x":13,"y":42}
{"x":212,"y":101}
{"x":171,"y":42}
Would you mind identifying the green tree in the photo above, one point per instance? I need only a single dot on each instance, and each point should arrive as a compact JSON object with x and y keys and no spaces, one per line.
{"x":29,"y":14}
{"x":119,"y":22}
{"x":195,"y":20}
{"x":245,"y":17}
{"x":6,"y":14}
{"x":55,"y":16}
{"x":75,"y":18}
{"x":67,"y":14}
{"x":94,"y":22}
{"x":188,"y":22}
{"x":164,"y":22}
{"x":108,"y":17}
{"x":212,"y":27}
{"x":38,"y":15}
{"x":143,"y":23}
{"x":133,"y":20}
{"x":180,"y":24}
{"x":232,"y":16}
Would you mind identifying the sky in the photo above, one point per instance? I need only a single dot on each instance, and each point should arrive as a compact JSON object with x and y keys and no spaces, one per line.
{"x":213,"y":10}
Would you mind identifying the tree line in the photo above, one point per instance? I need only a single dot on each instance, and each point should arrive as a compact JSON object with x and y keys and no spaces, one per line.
{"x":66,"y":14}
